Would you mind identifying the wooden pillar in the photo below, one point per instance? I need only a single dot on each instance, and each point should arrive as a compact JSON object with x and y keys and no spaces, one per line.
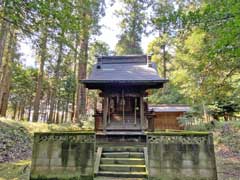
{"x":141,"y":113}
{"x":135,"y":111}
{"x":123,"y":108}
{"x":109,"y":108}
{"x":105,"y":112}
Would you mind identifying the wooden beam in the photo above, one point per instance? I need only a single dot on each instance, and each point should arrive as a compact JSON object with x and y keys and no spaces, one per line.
{"x":105,"y":112}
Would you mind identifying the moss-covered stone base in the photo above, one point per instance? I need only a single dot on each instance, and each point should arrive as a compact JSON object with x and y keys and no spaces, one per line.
{"x":61,"y":178}
{"x":179,"y":178}
{"x":181,"y":157}
{"x":63,"y":156}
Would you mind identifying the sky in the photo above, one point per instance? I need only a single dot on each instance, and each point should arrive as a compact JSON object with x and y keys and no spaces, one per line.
{"x":109,"y":32}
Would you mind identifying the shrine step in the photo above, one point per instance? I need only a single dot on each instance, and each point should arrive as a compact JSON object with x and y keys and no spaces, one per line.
{"x":122,"y":167}
{"x":123,"y":154}
{"x":127,"y":161}
{"x":123,"y":174}
{"x":123,"y":149}
{"x":122,"y":161}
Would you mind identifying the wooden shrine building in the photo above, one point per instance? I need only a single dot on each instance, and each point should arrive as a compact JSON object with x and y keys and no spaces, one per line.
{"x":166,"y":116}
{"x":120,"y":148}
{"x":123,"y":81}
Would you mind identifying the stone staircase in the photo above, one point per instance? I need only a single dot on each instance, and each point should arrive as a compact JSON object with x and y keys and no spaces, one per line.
{"x":123,"y":162}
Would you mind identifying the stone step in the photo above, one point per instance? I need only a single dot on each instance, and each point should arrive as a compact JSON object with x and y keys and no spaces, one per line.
{"x":122,"y":168}
{"x":130,"y":161}
{"x":122,"y":174}
{"x":123,"y":149}
{"x":122,"y":155}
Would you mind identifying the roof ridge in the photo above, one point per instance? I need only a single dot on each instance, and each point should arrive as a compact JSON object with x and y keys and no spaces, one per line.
{"x":143,"y":59}
{"x":130,"y":55}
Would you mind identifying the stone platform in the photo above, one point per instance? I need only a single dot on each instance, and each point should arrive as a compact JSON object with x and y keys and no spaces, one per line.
{"x":112,"y":155}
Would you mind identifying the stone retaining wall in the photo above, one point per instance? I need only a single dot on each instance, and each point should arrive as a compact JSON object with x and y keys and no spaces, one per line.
{"x":180,"y":156}
{"x":61,"y":156}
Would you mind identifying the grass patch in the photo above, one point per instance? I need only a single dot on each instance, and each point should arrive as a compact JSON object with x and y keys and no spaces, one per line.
{"x":15,"y":170}
{"x":32,"y":127}
{"x":16,"y":137}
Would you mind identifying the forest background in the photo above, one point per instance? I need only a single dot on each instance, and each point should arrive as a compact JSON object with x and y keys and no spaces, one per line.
{"x":195,"y":44}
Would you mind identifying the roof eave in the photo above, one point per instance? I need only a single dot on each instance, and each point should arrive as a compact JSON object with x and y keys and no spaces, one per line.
{"x":87,"y":81}
{"x":147,"y":84}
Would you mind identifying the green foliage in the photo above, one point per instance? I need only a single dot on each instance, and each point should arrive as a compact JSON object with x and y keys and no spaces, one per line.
{"x":133,"y":16}
{"x":191,"y":118}
{"x":97,"y":48}
{"x":23,"y":83}
{"x":56,"y":29}
{"x":224,"y":109}
{"x":201,"y":55}
{"x":169,"y":95}
{"x":156,"y":49}
{"x":208,"y":46}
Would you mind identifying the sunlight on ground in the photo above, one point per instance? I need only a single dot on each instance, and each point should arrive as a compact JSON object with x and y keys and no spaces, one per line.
{"x":15,"y":170}
{"x":39,"y":127}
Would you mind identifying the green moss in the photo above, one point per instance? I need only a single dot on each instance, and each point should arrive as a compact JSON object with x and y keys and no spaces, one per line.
{"x":32,"y":127}
{"x":59,"y":175}
{"x":65,"y":133}
{"x":179,"y":178}
{"x":169,"y":132}
{"x":61,"y":178}
{"x":15,"y":170}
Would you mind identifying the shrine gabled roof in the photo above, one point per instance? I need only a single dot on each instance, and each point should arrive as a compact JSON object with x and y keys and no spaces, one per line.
{"x":124,"y":69}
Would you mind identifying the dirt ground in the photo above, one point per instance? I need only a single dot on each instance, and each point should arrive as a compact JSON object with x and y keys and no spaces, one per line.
{"x":228,"y":163}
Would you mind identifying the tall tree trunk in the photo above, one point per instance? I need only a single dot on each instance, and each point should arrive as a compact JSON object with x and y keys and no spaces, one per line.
{"x":43,"y":54}
{"x":52,"y":104}
{"x":45,"y":110}
{"x":29,"y":111}
{"x":75,"y":73}
{"x":3,"y":65}
{"x":4,"y":90}
{"x":54,"y":113}
{"x":19,"y":111}
{"x":57,"y":112}
{"x":48,"y":104}
{"x":22,"y":110}
{"x":164,"y":61}
{"x":82,"y":72}
{"x":164,"y":52}
{"x":14,"y":111}
{"x":56,"y":80}
{"x":62,"y":113}
{"x":66,"y":111}
{"x":3,"y":37}
{"x":4,"y":104}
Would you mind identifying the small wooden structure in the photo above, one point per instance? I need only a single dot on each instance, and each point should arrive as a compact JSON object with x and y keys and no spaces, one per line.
{"x":166,"y":116}
{"x":123,"y":81}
